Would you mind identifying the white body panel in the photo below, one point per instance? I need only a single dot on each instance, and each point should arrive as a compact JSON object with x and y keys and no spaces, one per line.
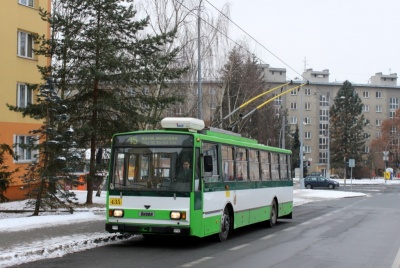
{"x":214,"y":202}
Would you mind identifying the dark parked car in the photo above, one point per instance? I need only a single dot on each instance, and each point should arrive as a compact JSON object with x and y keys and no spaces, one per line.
{"x":319,"y":182}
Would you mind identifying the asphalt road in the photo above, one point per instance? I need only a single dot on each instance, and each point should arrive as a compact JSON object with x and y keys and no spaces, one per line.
{"x":351,"y":232}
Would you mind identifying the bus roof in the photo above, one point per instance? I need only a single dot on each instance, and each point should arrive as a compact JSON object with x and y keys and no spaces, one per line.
{"x":196,"y":127}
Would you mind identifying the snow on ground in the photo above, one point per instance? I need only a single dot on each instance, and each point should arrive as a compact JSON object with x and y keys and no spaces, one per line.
{"x":59,"y":246}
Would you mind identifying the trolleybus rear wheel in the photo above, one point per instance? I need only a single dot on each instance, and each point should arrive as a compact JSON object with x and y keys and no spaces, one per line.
{"x":225,"y":225}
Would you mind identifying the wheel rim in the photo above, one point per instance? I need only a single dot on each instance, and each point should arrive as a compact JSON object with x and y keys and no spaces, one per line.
{"x":225,"y":222}
{"x":308,"y":186}
{"x":273,"y":213}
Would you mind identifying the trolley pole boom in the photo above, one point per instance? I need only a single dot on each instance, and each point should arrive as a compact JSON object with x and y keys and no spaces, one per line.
{"x":256,"y":97}
{"x":271,"y":99}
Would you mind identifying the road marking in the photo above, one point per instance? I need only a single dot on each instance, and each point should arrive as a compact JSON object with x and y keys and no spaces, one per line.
{"x":267,"y":237}
{"x":240,"y":247}
{"x":190,"y":264}
{"x":396,"y":263}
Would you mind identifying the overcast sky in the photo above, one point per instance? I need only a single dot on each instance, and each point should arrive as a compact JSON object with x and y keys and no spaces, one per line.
{"x":354,"y":39}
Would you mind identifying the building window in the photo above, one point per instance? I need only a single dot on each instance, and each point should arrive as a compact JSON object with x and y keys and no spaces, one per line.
{"x":307,"y":106}
{"x":378,"y":108}
{"x":23,"y":149}
{"x":307,"y":120}
{"x":307,"y":149}
{"x":131,"y":92}
{"x":293,"y":105}
{"x":323,"y":157}
{"x":25,"y":44}
{"x":28,"y":3}
{"x":278,"y":101}
{"x":307,"y":91}
{"x":307,"y":135}
{"x":323,"y":129}
{"x":392,"y":114}
{"x":145,"y":106}
{"x":378,"y":122}
{"x":213,"y":101}
{"x":365,"y":94}
{"x":323,"y":115}
{"x":24,"y":95}
{"x":293,"y":92}
{"x":323,"y":101}
{"x":365,"y":108}
{"x":366,"y":149}
{"x":293,"y":120}
{"x":323,"y":143}
{"x":394,"y":103}
{"x":378,"y":95}
{"x":179,"y":109}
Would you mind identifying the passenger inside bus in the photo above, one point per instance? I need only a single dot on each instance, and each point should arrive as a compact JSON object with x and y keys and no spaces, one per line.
{"x":185,"y":175}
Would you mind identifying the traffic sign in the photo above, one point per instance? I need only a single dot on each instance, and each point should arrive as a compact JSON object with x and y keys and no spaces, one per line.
{"x":385,"y":153}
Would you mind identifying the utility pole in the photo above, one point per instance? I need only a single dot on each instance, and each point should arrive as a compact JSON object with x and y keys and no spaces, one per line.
{"x":199,"y":89}
{"x":301,"y":142}
{"x":328,"y":164}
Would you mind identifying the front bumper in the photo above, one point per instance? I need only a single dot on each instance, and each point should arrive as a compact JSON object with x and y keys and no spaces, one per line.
{"x":125,"y":228}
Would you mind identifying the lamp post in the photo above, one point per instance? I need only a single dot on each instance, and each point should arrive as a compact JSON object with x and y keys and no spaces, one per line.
{"x":301,"y":142}
{"x":328,"y":165}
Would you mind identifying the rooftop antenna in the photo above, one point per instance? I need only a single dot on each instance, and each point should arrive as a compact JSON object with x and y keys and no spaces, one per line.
{"x":305,"y":63}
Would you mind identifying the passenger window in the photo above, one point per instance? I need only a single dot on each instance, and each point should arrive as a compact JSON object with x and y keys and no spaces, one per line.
{"x":254,"y":165}
{"x":265,"y":166}
{"x":227,"y":163}
{"x":275,"y":166}
{"x":211,"y":150}
{"x":241,"y":164}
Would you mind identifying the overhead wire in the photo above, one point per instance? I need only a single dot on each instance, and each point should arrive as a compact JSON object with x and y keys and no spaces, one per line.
{"x":236,"y":43}
{"x":273,"y":54}
{"x":245,"y":49}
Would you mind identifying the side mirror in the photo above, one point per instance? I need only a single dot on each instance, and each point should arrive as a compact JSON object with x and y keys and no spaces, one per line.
{"x":208,"y":163}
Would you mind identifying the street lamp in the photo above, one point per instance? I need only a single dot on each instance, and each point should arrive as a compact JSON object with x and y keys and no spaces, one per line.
{"x":301,"y":142}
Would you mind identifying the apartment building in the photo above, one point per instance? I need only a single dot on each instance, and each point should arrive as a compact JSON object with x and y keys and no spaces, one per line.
{"x":20,"y":20}
{"x":311,"y":105}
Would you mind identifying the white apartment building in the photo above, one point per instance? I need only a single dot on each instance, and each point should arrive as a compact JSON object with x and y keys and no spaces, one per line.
{"x":380,"y":101}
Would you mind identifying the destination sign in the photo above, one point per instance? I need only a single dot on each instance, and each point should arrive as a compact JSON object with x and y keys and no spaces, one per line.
{"x":154,"y":140}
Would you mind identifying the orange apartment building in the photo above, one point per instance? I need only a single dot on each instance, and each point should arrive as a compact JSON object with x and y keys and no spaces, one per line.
{"x":18,"y":67}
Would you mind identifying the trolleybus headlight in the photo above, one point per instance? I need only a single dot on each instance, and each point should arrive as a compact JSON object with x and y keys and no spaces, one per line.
{"x":119,"y":213}
{"x":177,"y":215}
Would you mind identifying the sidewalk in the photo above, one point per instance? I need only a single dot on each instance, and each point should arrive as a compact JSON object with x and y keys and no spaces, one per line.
{"x":32,"y":244}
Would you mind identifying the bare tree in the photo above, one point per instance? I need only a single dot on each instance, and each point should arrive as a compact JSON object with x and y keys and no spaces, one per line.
{"x":184,"y":16}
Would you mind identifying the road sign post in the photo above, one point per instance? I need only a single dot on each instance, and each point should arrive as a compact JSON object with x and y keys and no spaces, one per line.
{"x":352,"y":163}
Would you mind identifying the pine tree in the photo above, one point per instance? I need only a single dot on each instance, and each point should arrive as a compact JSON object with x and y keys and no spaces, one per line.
{"x":5,"y":172}
{"x":347,"y":122}
{"x":102,"y":60}
{"x":57,"y":157}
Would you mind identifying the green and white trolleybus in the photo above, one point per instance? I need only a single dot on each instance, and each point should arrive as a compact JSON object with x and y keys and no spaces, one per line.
{"x":188,"y":180}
